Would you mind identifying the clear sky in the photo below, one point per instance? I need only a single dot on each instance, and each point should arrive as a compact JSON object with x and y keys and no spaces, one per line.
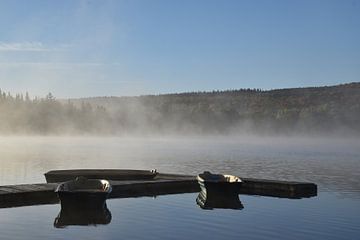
{"x":97,"y":48}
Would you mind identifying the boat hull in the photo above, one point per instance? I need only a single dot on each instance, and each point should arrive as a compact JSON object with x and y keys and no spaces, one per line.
{"x":82,"y":192}
{"x":220,"y":188}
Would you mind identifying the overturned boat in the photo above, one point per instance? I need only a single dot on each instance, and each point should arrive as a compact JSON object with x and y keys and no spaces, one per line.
{"x":84,"y":192}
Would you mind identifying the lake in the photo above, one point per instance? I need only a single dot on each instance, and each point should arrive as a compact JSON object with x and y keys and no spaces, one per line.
{"x":333,"y":164}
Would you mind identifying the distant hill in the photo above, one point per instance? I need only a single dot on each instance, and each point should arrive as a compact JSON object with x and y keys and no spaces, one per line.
{"x":331,"y":110}
{"x":312,"y":110}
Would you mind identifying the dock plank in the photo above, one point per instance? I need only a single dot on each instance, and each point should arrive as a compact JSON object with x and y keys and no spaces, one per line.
{"x":43,"y":193}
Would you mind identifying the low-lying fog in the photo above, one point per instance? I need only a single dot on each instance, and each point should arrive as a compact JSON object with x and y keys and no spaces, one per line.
{"x":323,"y":111}
{"x":332,"y":163}
{"x":309,"y":134}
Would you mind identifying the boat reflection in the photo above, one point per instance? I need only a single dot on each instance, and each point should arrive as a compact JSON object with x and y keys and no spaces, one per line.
{"x":75,"y":214}
{"x":219,"y":191}
{"x":224,"y":201}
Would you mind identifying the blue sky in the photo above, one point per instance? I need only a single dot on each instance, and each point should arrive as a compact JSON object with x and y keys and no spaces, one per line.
{"x":97,"y":48}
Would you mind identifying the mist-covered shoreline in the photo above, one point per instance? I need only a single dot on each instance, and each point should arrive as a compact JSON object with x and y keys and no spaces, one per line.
{"x":320,"y":111}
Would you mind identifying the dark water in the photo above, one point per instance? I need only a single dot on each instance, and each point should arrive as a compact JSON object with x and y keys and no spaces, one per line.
{"x":178,"y":217}
{"x":332,"y":164}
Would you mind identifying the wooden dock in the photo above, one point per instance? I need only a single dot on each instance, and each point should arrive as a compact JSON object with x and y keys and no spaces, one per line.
{"x":43,"y":193}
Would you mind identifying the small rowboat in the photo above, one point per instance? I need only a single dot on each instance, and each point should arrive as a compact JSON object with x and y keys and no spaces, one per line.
{"x":219,"y":183}
{"x":83,"y":192}
{"x":56,"y":176}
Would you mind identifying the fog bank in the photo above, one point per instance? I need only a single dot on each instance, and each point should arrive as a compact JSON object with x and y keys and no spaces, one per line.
{"x":322,"y":111}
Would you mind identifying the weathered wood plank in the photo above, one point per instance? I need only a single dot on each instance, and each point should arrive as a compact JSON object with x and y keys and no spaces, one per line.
{"x":274,"y":188}
{"x":111,"y":174}
{"x":27,"y":194}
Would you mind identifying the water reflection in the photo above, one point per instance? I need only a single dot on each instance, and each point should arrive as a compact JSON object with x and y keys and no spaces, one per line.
{"x":332,"y":163}
{"x":225,"y":201}
{"x":77,"y":214}
{"x":324,"y":217}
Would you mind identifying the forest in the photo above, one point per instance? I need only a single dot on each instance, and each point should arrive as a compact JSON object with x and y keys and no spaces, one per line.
{"x":313,"y":110}
{"x":44,"y":116}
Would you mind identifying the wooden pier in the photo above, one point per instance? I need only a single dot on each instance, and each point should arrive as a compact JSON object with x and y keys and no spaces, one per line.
{"x":43,"y":193}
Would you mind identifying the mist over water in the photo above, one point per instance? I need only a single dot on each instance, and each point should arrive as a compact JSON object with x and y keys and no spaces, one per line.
{"x":40,"y":135}
{"x":317,"y":142}
{"x":266,"y":139}
{"x":265,"y":90}
{"x":315,"y":111}
{"x":331,"y":163}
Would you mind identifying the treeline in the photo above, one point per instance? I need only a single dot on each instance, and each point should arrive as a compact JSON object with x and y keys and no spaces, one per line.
{"x":22,"y":115}
{"x":319,"y":110}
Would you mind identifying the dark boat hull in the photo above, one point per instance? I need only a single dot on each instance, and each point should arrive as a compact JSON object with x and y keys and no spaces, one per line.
{"x":220,"y":188}
{"x":84,"y":193}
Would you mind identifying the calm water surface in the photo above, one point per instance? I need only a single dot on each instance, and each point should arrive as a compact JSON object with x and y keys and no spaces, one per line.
{"x":331,"y":163}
